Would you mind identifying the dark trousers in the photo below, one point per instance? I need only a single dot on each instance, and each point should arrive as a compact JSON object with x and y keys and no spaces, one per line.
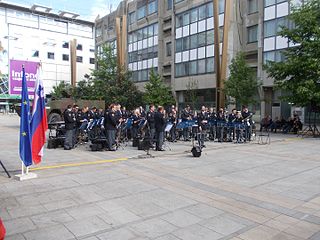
{"x":186,"y":133}
{"x":68,"y":141}
{"x":159,"y":140}
{"x":152,"y":135}
{"x":111,"y":138}
{"x":173,"y":133}
{"x":134,"y":132}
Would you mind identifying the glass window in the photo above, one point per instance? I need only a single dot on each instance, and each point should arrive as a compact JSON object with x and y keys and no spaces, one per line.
{"x":65,"y":57}
{"x":178,"y":70}
{"x":210,"y":65}
{"x":152,"y":7}
{"x":270,"y":28}
{"x":155,"y":29}
{"x":134,"y":37}
{"x":269,"y":2}
{"x":145,"y":33}
{"x":141,"y":12}
{"x":179,"y":21}
{"x":221,"y":6}
{"x":139,"y":34}
{"x":179,"y":45}
{"x":201,"y":66}
{"x":210,"y":37}
{"x":281,"y":22}
{"x":193,"y":68}
{"x":194,"y":15}
{"x":35,"y":53}
{"x":202,"y":12}
{"x":253,"y":34}
{"x":168,"y":48}
{"x":280,"y":1}
{"x":194,"y":41}
{"x":79,"y":59}
{"x":50,"y":55}
{"x":269,"y":56}
{"x":186,"y":19}
{"x":150,"y":31}
{"x":169,"y":4}
{"x":279,"y":56}
{"x":210,"y":9}
{"x":252,"y":6}
{"x":132,"y":17}
{"x":186,"y":43}
{"x":202,"y":39}
{"x":65,"y":45}
{"x":91,"y":60}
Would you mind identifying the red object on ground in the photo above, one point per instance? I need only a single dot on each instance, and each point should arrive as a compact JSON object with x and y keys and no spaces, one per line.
{"x":2,"y":231}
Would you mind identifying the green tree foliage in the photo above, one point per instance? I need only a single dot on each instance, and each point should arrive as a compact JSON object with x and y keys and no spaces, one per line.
{"x":299,"y":75}
{"x":157,"y":92}
{"x":242,"y":83}
{"x":192,"y":93}
{"x":62,"y":90}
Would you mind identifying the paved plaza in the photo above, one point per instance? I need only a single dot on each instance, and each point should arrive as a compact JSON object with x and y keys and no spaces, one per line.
{"x":233,"y":191}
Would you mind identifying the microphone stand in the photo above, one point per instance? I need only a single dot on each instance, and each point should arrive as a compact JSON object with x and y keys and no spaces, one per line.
{"x":5,"y":169}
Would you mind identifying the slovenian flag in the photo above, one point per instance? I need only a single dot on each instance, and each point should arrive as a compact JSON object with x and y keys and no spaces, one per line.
{"x":39,"y":124}
{"x":25,"y":132}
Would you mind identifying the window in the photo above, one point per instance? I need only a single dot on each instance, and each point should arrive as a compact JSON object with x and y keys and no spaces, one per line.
{"x":186,"y":19}
{"x":269,"y":56}
{"x":155,"y":29}
{"x":270,"y":28}
{"x":141,"y":12}
{"x":177,"y":1}
{"x":79,"y":59}
{"x":35,"y":53}
{"x":139,"y":34}
{"x":210,"y":65}
{"x":202,"y":66}
{"x":210,"y":37}
{"x":252,"y":34}
{"x":221,"y":6}
{"x":50,"y":55}
{"x":79,"y":47}
{"x":194,"y":41}
{"x":193,"y":67}
{"x":169,"y":4}
{"x":150,"y":31}
{"x":91,"y":60}
{"x":269,"y":2}
{"x":202,"y":12}
{"x":132,"y":17}
{"x":194,"y":15}
{"x":281,"y":22}
{"x":152,"y":7}
{"x":179,"y":21}
{"x":168,"y":48}
{"x":210,"y":10}
{"x":145,"y":34}
{"x":98,"y":32}
{"x":179,"y":45}
{"x":201,"y":39}
{"x":252,"y":6}
{"x":65,"y":45}
{"x":186,"y":43}
{"x":65,"y":57}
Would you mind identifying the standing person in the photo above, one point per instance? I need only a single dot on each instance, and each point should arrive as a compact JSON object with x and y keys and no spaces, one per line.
{"x":231,"y":119}
{"x":186,"y":116}
{"x":151,"y":124}
{"x":247,"y":117}
{"x":202,"y":124}
{"x":70,"y":123}
{"x":135,"y":123}
{"x":173,"y":120}
{"x":111,"y":127}
{"x":160,"y":124}
{"x":212,"y":123}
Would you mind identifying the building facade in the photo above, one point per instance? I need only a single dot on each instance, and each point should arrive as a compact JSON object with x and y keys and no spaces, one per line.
{"x":36,"y":34}
{"x":177,"y":39}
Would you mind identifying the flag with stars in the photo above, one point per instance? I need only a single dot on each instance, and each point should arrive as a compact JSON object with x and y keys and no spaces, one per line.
{"x":25,"y":136}
{"x":39,"y":124}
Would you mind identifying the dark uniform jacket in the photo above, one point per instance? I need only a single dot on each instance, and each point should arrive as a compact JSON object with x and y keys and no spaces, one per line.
{"x":202,"y":116}
{"x":69,"y":119}
{"x":231,"y":117}
{"x":111,"y":121}
{"x":160,"y":121}
{"x":150,"y":119}
{"x":185,"y":115}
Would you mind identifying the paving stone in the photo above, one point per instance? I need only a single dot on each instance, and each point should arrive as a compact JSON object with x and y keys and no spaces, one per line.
{"x":18,"y":225}
{"x":168,"y":237}
{"x":181,"y":218}
{"x":49,"y":233}
{"x":51,"y":218}
{"x":204,"y":211}
{"x":87,"y":226}
{"x":23,"y":211}
{"x":153,"y":228}
{"x":119,"y":234}
{"x":15,"y":237}
{"x":197,"y":232}
{"x":87,"y":210}
{"x":60,"y":204}
{"x":261,"y":232}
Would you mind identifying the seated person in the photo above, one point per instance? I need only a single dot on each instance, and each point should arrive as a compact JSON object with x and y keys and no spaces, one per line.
{"x":276,"y":124}
{"x":266,"y":122}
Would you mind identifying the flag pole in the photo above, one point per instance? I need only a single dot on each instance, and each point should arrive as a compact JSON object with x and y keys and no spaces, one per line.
{"x":22,"y":168}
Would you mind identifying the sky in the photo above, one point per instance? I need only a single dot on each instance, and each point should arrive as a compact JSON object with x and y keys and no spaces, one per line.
{"x":88,"y":9}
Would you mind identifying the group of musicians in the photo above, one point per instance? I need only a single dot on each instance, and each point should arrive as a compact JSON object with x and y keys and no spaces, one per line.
{"x":155,"y":123}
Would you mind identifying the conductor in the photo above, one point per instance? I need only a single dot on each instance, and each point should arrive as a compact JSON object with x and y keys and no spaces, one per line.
{"x":160,"y":124}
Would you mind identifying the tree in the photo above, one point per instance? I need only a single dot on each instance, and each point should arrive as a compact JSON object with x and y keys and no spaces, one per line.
{"x":191,"y":93}
{"x":299,"y":75}
{"x":242,"y":83}
{"x":157,"y":92}
{"x":62,"y":90}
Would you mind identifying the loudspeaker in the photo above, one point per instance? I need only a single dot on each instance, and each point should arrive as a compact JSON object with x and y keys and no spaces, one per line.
{"x":135,"y":142}
{"x":196,"y":151}
{"x":52,"y":143}
{"x":96,"y":147}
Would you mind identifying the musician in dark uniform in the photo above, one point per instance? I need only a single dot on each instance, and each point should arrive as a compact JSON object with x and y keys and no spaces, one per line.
{"x":151,"y":124}
{"x":135,"y":123}
{"x":221,"y":120}
{"x":186,"y":116}
{"x":238,"y":125}
{"x":160,"y":124}
{"x":212,"y":117}
{"x":231,"y":120}
{"x":111,"y":127}
{"x":247,"y":118}
{"x":202,"y":124}
{"x":173,"y":120}
{"x":70,"y":123}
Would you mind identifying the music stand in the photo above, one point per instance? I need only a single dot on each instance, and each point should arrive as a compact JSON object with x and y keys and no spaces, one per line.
{"x":5,"y":169}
